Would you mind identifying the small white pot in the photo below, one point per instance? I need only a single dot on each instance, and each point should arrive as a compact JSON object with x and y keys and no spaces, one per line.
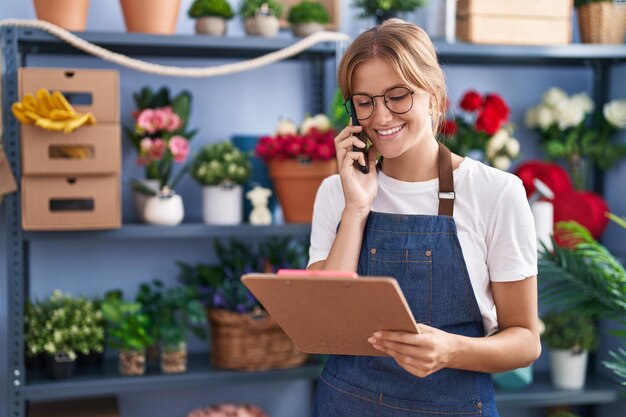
{"x":164,"y":210}
{"x":266,"y":26}
{"x":222,"y":204}
{"x":306,"y":29}
{"x":568,"y":370}
{"x":211,"y":25}
{"x":139,"y":199}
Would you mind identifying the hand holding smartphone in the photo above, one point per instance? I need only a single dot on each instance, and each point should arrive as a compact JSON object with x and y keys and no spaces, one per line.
{"x":355,"y":122}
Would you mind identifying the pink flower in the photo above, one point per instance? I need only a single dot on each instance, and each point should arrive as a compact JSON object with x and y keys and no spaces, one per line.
{"x":157,"y":150}
{"x":173,"y":123}
{"x":145,"y":121}
{"x":145,"y":145}
{"x":179,"y":146}
{"x":160,"y":119}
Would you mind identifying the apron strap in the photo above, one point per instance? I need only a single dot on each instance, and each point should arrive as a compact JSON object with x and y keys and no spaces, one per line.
{"x":446,"y":182}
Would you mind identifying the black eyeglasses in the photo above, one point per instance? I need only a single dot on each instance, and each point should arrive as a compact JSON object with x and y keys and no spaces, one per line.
{"x":398,"y":100}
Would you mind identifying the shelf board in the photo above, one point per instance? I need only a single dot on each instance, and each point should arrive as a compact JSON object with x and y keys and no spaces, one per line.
{"x":182,"y":231}
{"x":108,"y":381}
{"x":192,"y":46}
{"x":541,"y":393}
{"x":557,"y":55}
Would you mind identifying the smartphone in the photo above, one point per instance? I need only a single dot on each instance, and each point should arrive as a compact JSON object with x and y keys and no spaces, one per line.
{"x":355,"y":122}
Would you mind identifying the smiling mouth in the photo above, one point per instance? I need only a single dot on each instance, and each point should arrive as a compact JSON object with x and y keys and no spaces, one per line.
{"x":389,"y":132}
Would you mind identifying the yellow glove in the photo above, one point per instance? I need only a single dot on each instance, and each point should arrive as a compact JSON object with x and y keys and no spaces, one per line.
{"x":50,"y":112}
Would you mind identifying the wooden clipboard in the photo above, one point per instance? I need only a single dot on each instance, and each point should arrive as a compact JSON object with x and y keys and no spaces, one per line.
{"x":325,"y":314}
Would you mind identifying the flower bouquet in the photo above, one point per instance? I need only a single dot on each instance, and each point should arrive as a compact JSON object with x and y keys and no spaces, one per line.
{"x":299,"y":158}
{"x":573,"y":131}
{"x":482,"y":130}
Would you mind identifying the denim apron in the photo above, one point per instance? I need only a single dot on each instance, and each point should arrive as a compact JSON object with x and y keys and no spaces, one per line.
{"x":424,"y":255}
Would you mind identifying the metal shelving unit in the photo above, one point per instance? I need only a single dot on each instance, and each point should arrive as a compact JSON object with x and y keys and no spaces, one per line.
{"x":17,"y":44}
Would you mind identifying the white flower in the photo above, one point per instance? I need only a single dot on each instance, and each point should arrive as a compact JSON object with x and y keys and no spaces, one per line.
{"x":496,"y":143}
{"x":307,"y":124}
{"x":545,"y":116}
{"x":502,"y":162}
{"x":321,"y":122}
{"x":286,"y":127}
{"x":554,"y":96}
{"x":512,"y":147}
{"x":531,"y":119}
{"x":583,"y":101}
{"x":569,"y":114}
{"x":615,"y":113}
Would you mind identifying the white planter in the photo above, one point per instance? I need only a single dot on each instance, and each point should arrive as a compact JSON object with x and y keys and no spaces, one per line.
{"x":568,"y":370}
{"x":222,"y":204}
{"x":211,"y":25}
{"x":306,"y":29}
{"x":139,"y":199}
{"x":266,"y":26}
{"x":164,"y":210}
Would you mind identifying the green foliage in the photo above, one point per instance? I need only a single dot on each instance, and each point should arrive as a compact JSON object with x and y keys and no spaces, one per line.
{"x":127,"y":326}
{"x":63,"y":324}
{"x":371,"y":8}
{"x":308,"y":11}
{"x":618,"y":366}
{"x":569,"y":330}
{"x":578,"y":3}
{"x":221,"y":162}
{"x":249,"y":8}
{"x":339,"y":117}
{"x":171,"y":312}
{"x":218,"y":8}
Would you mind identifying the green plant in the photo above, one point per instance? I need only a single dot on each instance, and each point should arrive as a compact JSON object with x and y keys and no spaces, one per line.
{"x":371,"y":8}
{"x":571,"y":330}
{"x":249,"y":8}
{"x":63,"y":324}
{"x":218,"y":8}
{"x":339,"y":117}
{"x":221,"y":162}
{"x":171,"y":312}
{"x":308,"y":11}
{"x":618,"y":366}
{"x":127,"y":326}
{"x":283,"y":253}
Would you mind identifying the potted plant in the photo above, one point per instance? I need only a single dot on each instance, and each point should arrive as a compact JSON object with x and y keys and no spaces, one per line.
{"x":601,"y":21}
{"x":298,"y":160}
{"x":61,"y":327}
{"x":221,"y":168}
{"x":211,"y":16}
{"x":308,"y":17}
{"x":570,"y":337}
{"x":127,"y":331}
{"x":385,"y":9}
{"x":160,"y":136}
{"x":151,"y":16}
{"x":261,"y":17}
{"x":243,"y":335}
{"x":68,"y":14}
{"x":172,"y":312}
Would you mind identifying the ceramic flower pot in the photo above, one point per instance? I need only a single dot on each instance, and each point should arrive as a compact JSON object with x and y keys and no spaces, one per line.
{"x":68,"y":14}
{"x":222,"y":204}
{"x":567,"y":369}
{"x":306,"y":29}
{"x":132,"y":362}
{"x":165,"y":209}
{"x":266,"y":26}
{"x":150,"y":16}
{"x":211,"y":25}
{"x":139,"y":199}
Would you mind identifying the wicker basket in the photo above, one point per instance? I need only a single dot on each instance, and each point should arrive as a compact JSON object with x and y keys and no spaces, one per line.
{"x":603,"y":22}
{"x":250,"y":342}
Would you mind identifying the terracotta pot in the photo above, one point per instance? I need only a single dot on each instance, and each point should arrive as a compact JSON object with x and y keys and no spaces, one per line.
{"x":296,"y":184}
{"x":69,"y":14}
{"x":151,"y":16}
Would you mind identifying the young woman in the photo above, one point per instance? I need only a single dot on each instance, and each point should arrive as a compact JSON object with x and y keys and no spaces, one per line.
{"x":456,"y":234}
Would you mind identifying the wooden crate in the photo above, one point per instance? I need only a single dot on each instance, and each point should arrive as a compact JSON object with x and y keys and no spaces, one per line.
{"x":515,"y":22}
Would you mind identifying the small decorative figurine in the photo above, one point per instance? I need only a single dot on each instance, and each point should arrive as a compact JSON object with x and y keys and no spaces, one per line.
{"x":260,"y":214}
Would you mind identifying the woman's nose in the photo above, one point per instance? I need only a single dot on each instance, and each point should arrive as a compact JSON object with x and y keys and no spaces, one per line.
{"x":381,"y":113}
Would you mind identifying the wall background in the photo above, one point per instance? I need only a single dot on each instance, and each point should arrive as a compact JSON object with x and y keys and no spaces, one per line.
{"x":252,"y":103}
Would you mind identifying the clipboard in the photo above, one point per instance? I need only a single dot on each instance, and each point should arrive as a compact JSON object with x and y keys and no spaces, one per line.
{"x":331,"y":313}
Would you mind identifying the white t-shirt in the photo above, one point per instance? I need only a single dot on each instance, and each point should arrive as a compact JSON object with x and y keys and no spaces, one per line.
{"x":495,"y":226}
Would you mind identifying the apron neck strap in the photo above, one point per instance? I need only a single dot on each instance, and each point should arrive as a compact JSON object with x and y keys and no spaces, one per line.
{"x":446,"y":182}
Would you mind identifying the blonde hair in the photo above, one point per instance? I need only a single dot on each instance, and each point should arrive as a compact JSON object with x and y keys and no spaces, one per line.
{"x":411,"y":52}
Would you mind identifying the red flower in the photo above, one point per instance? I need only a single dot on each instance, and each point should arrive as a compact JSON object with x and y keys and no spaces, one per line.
{"x":488,"y":121}
{"x":449,"y":128}
{"x":471,"y":101}
{"x":495,"y":101}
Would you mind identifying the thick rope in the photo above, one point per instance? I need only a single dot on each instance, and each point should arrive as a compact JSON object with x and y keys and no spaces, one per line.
{"x":174,"y":71}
